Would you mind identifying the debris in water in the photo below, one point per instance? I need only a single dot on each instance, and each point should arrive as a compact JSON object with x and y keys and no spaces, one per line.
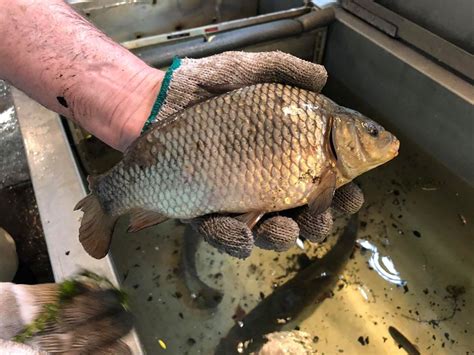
{"x":162,"y":344}
{"x":463,"y":219}
{"x":402,"y":341}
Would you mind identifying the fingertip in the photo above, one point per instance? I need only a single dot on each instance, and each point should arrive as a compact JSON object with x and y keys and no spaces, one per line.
{"x":228,"y":235}
{"x":315,"y":228}
{"x":277,"y":233}
{"x":348,"y":198}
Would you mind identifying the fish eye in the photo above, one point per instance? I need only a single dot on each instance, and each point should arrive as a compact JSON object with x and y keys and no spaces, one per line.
{"x":372,"y":130}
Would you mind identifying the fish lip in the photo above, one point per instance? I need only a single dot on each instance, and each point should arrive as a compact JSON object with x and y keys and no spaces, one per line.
{"x":394,"y":147}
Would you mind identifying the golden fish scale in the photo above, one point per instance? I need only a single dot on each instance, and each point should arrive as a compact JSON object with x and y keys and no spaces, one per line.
{"x":256,"y":148}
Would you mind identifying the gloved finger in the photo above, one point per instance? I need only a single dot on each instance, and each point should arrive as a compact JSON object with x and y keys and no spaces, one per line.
{"x":88,"y":306}
{"x":348,"y":198}
{"x":277,"y":233}
{"x":226,"y":234}
{"x":243,"y":69}
{"x":85,"y":337}
{"x":314,"y":228}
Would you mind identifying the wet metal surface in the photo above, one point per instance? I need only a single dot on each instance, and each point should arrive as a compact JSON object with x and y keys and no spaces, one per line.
{"x":13,"y":165}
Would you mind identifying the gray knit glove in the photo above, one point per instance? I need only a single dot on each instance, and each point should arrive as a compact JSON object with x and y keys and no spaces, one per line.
{"x":189,"y":81}
{"x":83,"y":315}
{"x":277,"y":232}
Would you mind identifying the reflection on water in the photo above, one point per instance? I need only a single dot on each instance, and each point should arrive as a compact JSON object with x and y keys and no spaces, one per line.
{"x":411,"y":271}
{"x":383,"y":265}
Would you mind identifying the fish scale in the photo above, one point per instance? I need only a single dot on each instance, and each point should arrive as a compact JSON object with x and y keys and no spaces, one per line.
{"x":228,"y":154}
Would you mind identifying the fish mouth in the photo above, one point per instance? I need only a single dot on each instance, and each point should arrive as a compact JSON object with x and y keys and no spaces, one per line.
{"x":395,"y":146}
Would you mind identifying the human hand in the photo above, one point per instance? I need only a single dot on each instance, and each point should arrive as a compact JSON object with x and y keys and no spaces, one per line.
{"x":85,"y":315}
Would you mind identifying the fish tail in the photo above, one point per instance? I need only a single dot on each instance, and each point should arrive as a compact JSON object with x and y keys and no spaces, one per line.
{"x":97,"y":226}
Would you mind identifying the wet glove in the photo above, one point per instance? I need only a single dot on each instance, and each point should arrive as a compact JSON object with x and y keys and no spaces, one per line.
{"x":189,"y":81}
{"x":84,"y":315}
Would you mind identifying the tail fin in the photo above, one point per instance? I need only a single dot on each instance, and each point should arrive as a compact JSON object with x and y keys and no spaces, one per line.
{"x":95,"y":233}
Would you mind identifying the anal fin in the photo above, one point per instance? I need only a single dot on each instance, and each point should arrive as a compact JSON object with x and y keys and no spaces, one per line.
{"x":250,"y":218}
{"x":140,"y":219}
{"x":321,"y":197}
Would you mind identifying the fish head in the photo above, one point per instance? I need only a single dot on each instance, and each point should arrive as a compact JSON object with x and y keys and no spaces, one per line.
{"x":360,"y":144}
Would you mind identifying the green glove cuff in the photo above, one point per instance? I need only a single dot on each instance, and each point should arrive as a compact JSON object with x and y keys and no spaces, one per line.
{"x":162,"y":94}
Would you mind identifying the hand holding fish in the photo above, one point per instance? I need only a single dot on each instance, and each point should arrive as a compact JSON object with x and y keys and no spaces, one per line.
{"x":255,"y":150}
{"x":190,"y":81}
{"x":84,"y":314}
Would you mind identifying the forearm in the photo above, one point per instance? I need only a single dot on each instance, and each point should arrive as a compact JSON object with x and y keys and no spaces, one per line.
{"x":59,"y":59}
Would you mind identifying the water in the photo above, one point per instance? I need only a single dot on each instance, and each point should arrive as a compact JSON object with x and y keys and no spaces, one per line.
{"x":417,"y":216}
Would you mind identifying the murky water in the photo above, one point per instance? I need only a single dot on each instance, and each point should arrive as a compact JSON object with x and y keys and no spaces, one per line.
{"x":412,"y":269}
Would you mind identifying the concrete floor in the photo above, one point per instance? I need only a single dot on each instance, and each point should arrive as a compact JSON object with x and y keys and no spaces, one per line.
{"x":18,"y":211}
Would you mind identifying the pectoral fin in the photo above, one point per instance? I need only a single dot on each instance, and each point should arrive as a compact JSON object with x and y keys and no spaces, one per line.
{"x":140,"y":219}
{"x":321,"y":197}
{"x":250,"y":218}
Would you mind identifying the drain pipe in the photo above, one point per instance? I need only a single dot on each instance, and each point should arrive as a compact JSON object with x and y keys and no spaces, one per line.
{"x":162,"y":55}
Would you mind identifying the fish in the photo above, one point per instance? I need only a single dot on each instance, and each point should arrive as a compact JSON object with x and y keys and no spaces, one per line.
{"x":258,"y":149}
{"x":298,"y":296}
